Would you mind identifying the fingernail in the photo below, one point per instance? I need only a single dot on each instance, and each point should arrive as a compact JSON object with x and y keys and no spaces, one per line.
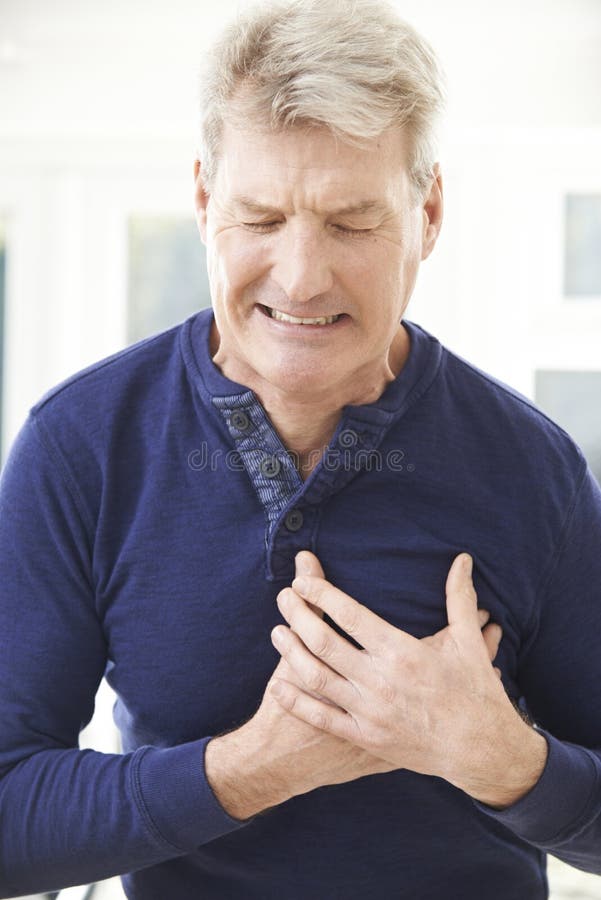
{"x":300,"y":585}
{"x":283,"y":598}
{"x":303,"y":565}
{"x":467,"y":564}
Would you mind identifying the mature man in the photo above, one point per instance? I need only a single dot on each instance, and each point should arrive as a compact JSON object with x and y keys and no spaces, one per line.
{"x":155,"y":505}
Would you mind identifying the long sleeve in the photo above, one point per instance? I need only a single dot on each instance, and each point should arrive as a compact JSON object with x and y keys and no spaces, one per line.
{"x":560,"y":674}
{"x":69,"y":816}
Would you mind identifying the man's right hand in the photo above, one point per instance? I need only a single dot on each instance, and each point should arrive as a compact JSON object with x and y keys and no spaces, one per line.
{"x":275,"y":756}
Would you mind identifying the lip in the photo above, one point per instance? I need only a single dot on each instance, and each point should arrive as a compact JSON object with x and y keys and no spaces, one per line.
{"x":293,"y":328}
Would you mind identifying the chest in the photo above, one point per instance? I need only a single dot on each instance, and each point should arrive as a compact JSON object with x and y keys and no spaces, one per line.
{"x":188,"y":606}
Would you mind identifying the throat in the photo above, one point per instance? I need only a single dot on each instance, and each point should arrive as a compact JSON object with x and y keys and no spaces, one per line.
{"x":305,"y":434}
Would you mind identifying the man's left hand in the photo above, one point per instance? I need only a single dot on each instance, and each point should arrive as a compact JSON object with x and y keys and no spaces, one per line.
{"x":433,"y":705}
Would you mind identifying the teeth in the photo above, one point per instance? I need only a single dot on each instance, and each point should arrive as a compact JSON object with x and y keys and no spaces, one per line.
{"x":283,"y":317}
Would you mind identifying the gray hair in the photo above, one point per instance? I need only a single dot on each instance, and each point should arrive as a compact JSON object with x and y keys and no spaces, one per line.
{"x":351,"y":65}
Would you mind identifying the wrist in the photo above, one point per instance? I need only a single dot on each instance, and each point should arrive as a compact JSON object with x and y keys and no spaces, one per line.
{"x":509,"y":770}
{"x":239,"y":780}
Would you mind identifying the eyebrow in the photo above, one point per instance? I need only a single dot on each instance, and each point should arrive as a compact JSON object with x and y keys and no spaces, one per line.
{"x":362,"y":206}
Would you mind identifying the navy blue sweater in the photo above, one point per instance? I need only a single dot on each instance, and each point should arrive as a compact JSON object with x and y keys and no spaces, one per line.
{"x":145,"y":531}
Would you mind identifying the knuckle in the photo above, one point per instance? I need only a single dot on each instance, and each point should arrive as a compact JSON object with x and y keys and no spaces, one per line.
{"x":319,"y":719}
{"x":317,"y":680}
{"x":322,"y":646}
{"x":290,"y":702}
{"x":349,"y":619}
{"x":385,"y":689}
{"x":364,"y":734}
{"x":282,"y":697}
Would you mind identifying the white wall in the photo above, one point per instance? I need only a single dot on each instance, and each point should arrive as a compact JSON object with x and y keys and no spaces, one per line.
{"x":97,"y":120}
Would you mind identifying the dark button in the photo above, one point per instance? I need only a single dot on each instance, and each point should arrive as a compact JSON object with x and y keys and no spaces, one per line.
{"x":294,"y":520}
{"x":270,"y":466}
{"x":240,"y":421}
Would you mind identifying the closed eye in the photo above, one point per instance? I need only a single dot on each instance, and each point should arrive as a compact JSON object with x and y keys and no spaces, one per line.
{"x":354,"y":232}
{"x":266,"y":227}
{"x":261,"y":227}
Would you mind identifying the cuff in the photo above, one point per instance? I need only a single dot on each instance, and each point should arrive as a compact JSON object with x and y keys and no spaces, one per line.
{"x":562,"y":802}
{"x":176,"y":799}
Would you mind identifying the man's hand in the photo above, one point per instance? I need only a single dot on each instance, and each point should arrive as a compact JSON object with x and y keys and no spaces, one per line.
{"x":435,"y":706}
{"x":275,"y":755}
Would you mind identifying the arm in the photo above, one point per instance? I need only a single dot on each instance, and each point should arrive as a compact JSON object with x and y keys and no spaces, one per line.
{"x":70,"y":816}
{"x":560,"y":675}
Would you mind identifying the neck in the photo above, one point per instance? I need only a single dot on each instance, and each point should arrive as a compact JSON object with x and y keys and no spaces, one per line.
{"x":305,"y":422}
{"x":305,"y":428}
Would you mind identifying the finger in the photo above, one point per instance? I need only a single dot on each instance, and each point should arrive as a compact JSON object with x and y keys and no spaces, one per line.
{"x":317,"y":678}
{"x":367,"y":628}
{"x":320,"y":639}
{"x":462,"y":602}
{"x":314,"y":712}
{"x":306,"y":563}
{"x":483,"y":617}
{"x":285,"y":670}
{"x":492,"y":635}
{"x":438,"y":637}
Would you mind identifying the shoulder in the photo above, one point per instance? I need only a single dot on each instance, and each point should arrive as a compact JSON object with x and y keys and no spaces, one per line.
{"x":115,"y":411}
{"x":494,"y":411}
{"x":484,"y":425}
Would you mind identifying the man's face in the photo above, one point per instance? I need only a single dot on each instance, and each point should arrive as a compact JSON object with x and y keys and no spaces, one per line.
{"x":307,"y":226}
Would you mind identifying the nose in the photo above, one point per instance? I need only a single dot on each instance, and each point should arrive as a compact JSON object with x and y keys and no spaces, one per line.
{"x":302,"y":266}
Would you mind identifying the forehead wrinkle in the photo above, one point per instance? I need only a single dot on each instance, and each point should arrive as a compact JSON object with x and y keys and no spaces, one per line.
{"x":358,"y":208}
{"x":363,"y":206}
{"x":253,"y":205}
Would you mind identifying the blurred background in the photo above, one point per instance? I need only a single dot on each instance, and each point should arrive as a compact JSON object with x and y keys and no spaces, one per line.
{"x":99,"y":248}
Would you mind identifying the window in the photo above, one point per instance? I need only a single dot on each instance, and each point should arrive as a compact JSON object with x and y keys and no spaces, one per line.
{"x":582,"y":253}
{"x":573,"y":400}
{"x":167,"y":274}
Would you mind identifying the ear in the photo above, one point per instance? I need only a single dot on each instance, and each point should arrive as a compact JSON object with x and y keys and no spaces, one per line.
{"x":201,"y":201}
{"x":432,"y":213}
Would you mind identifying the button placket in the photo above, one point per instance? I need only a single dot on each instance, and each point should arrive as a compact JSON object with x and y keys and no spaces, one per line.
{"x":270,"y":466}
{"x":240,"y":421}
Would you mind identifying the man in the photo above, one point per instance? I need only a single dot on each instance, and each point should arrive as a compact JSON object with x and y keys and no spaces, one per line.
{"x":157,"y":506}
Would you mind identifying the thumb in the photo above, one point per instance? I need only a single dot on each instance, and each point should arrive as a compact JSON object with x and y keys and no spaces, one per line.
{"x":306,"y":563}
{"x":462,"y":602}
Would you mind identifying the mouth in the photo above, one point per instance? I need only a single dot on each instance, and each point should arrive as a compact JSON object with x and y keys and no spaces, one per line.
{"x":298,"y":320}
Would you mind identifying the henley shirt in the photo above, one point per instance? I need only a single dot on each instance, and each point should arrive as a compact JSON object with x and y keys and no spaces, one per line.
{"x":149,"y":516}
